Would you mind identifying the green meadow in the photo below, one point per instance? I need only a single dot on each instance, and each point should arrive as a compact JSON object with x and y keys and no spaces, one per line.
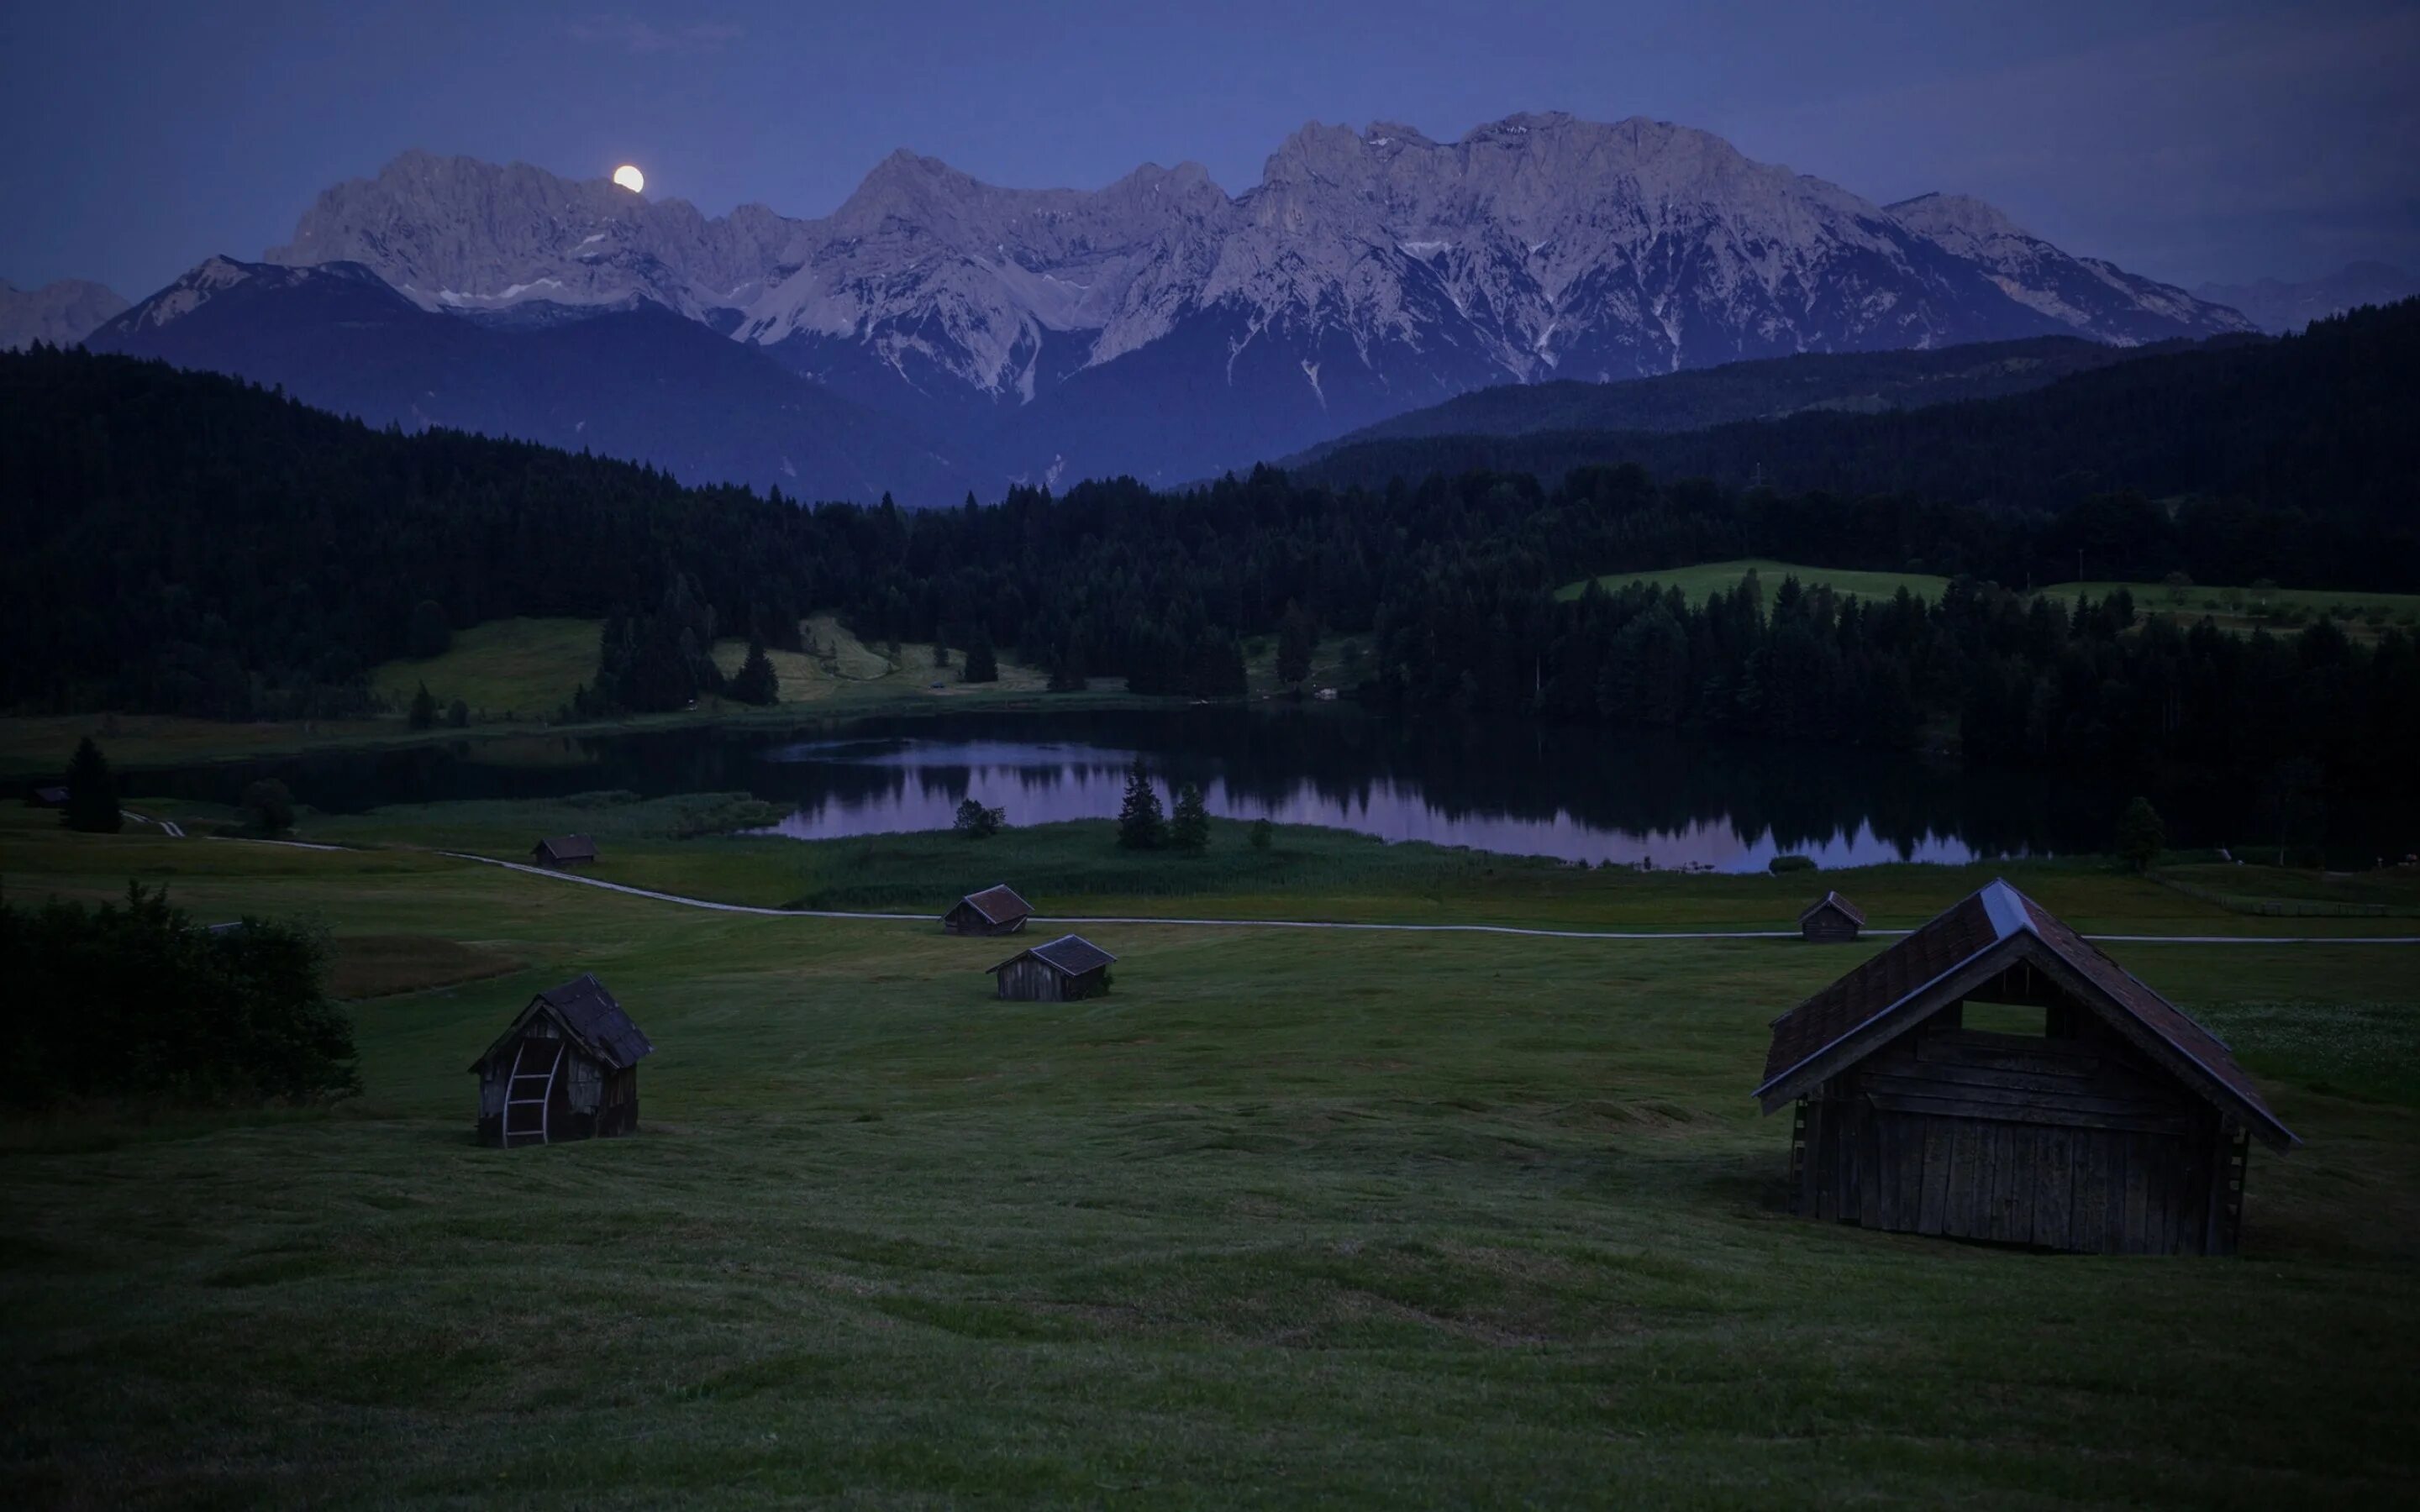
{"x":1291,"y":1217}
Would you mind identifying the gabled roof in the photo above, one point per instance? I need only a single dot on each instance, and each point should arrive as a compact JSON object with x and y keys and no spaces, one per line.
{"x":1071,"y":954}
{"x":570,"y":847}
{"x":1847,"y":910}
{"x":590,"y":1016}
{"x":998,"y":905}
{"x":1961,"y":949}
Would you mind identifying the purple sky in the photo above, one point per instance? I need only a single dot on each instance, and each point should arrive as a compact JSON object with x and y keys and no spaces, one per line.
{"x":2200,"y":141}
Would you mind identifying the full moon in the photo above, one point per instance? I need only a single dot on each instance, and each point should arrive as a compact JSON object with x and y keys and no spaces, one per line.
{"x":630,"y":178}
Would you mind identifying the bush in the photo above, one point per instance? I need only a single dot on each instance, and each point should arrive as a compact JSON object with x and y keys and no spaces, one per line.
{"x":1780,"y":865}
{"x":138,"y":999}
{"x":1264,"y":834}
{"x":2141,"y":833}
{"x":269,"y":805}
{"x":975,"y":821}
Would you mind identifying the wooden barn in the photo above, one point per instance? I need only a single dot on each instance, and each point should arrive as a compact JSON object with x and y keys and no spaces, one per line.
{"x":1995,"y":1076}
{"x":992,"y":911}
{"x":564,"y":851}
{"x":1067,"y":969}
{"x":568,"y":1069}
{"x":1831,"y":919}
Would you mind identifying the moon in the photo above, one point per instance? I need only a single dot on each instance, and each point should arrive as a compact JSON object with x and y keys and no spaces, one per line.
{"x":631,"y":178}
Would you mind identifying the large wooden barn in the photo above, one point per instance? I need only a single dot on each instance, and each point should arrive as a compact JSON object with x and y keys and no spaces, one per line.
{"x":1831,"y":919}
{"x":1995,"y":1076}
{"x":1067,"y":969}
{"x":993,"y":911}
{"x":567,"y":1069}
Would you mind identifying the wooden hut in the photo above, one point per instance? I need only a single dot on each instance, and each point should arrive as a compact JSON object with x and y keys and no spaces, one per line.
{"x":992,"y":911}
{"x":564,"y":851}
{"x":47,"y":797}
{"x":1831,"y":919}
{"x":1067,"y":969}
{"x":1995,"y":1076}
{"x":568,"y":1069}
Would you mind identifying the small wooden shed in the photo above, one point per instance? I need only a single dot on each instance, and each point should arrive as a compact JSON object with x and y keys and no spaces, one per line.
{"x":1831,"y":919}
{"x":1995,"y":1076}
{"x":993,"y":911}
{"x":47,"y":797}
{"x":568,"y":1069}
{"x":564,"y":851}
{"x":1067,"y":969}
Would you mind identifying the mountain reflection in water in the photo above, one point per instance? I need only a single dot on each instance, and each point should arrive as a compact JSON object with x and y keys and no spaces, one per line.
{"x":912,"y":783}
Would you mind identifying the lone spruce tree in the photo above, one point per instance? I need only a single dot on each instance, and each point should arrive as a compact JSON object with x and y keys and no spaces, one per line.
{"x":1188,"y":828}
{"x":424,"y":709}
{"x":92,"y":792}
{"x":1140,"y":827}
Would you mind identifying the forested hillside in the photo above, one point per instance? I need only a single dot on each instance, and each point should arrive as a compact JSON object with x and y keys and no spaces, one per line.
{"x":2317,"y":421}
{"x":184,"y":543}
{"x":1700,"y":398}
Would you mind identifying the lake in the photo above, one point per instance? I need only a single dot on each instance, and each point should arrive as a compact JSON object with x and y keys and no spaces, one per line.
{"x":1531,"y":789}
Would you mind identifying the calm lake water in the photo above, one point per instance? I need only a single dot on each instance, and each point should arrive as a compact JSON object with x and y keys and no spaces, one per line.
{"x":1521,"y":790}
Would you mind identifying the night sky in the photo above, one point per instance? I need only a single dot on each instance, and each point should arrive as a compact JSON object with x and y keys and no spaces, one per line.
{"x":2211,"y":141}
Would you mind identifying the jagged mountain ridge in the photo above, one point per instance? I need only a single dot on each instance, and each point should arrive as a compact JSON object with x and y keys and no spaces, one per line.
{"x":2280,"y":307}
{"x":60,"y":313}
{"x":1162,"y":328}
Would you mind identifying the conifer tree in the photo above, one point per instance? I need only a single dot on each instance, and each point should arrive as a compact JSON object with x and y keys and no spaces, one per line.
{"x":983,"y":663}
{"x":1188,"y":828}
{"x":92,"y":792}
{"x":424,"y":708}
{"x":757,"y":681}
{"x":1140,"y":827}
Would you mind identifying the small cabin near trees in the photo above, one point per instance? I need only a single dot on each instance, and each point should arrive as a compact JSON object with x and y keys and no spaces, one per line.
{"x":1831,"y":919}
{"x":992,"y":911}
{"x":1067,"y":969}
{"x":567,"y":1069}
{"x":47,"y":797}
{"x":564,"y":851}
{"x":1995,"y":1076}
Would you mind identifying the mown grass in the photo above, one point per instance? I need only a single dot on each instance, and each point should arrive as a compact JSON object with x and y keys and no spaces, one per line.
{"x":1287,"y":1219}
{"x":502,"y":670}
{"x":1705,"y":579}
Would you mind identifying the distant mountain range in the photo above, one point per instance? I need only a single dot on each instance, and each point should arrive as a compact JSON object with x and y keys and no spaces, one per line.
{"x":1158,"y":327}
{"x":60,"y":314}
{"x":2280,"y":307}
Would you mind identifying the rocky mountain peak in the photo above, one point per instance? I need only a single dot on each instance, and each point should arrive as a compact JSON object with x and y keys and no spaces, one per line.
{"x":58,"y":314}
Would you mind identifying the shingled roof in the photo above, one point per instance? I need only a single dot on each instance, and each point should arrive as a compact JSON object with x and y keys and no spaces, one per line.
{"x":590,"y":1016}
{"x":998,"y":905}
{"x":1965,"y":947}
{"x":1072,"y":954}
{"x":1849,"y":911}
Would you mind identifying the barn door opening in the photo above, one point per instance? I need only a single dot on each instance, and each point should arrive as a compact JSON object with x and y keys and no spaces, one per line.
{"x":529,"y":1089}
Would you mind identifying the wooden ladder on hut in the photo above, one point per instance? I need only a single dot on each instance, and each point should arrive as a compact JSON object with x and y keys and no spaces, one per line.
{"x":513,"y":1098}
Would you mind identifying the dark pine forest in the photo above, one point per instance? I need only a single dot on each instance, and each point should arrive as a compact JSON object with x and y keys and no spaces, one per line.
{"x":188,"y":544}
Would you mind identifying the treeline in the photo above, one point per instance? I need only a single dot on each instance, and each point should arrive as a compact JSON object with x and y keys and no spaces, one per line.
{"x":2021,"y":681}
{"x":185,"y":543}
{"x":138,"y":999}
{"x":2316,"y":420}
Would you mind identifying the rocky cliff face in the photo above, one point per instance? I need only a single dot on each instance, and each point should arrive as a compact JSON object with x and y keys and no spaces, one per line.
{"x":1159,"y":326}
{"x":60,"y":314}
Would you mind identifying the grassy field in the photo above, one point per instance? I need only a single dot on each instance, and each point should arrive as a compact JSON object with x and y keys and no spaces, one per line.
{"x":1707,"y":579}
{"x":2235,"y":609}
{"x":1289,"y":1218}
{"x":503,"y":670}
